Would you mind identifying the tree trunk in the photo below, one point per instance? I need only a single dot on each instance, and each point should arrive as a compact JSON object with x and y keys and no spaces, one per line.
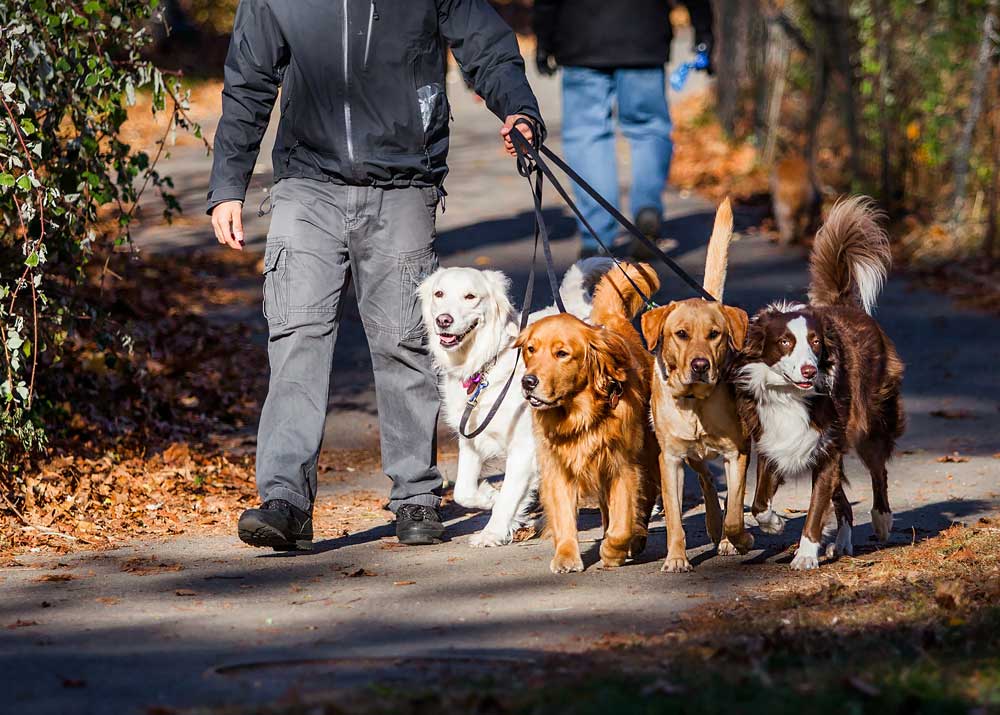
{"x":733,"y":20}
{"x":960,"y":164}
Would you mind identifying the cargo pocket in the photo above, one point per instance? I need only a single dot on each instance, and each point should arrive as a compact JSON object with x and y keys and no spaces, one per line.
{"x":414,"y":266}
{"x":276,"y":282}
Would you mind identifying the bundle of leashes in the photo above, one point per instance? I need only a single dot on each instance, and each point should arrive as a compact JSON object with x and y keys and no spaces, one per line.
{"x":534,"y":168}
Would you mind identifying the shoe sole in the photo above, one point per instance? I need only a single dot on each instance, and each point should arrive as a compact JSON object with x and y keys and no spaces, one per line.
{"x":264,"y":536}
{"x":421,"y":539}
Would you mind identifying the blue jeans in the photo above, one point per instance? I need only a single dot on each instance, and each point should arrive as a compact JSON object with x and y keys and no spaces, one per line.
{"x":588,"y":96}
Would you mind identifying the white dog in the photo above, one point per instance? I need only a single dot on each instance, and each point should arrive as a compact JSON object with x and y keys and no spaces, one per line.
{"x":472,"y":327}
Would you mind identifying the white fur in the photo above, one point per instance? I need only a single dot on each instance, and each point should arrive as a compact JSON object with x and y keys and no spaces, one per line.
{"x":869,"y":278}
{"x":478,"y":303}
{"x":843,"y":545}
{"x":882,"y":524}
{"x":770,"y":522}
{"x":787,"y":437}
{"x":807,"y":556}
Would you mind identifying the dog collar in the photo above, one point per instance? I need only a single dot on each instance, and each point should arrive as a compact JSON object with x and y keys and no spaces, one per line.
{"x":477,"y":382}
{"x":471,"y":383}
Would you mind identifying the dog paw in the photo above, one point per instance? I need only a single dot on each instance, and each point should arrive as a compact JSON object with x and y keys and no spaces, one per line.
{"x":637,"y":546}
{"x":843,"y":543}
{"x":487,"y":539}
{"x":881,"y":524}
{"x":610,"y":563}
{"x":804,"y":563}
{"x":807,"y":556}
{"x":770,"y":523}
{"x":736,"y":544}
{"x":677,"y":565}
{"x":565,"y":564}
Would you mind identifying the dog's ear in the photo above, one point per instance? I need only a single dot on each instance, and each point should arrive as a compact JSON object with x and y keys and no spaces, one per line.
{"x":523,"y":337}
{"x":738,"y":322}
{"x":608,"y":358}
{"x":652,"y":324}
{"x":498,"y":281}
{"x":498,"y":285}
{"x":425,"y":290}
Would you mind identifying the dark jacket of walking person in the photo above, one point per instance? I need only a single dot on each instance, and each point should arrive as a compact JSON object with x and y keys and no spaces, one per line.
{"x":359,"y":160}
{"x":612,"y":55}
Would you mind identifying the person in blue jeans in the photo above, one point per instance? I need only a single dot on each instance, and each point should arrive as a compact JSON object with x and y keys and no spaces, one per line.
{"x":613,"y":55}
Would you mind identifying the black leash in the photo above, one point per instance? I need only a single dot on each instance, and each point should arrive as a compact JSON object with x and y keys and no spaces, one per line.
{"x":483,"y":383}
{"x":533,"y":156}
{"x":530,"y":164}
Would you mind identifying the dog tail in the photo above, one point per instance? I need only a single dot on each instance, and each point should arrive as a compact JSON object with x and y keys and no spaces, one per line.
{"x":717,"y":259}
{"x":850,"y":257}
{"x":577,"y":289}
{"x":616,"y":297}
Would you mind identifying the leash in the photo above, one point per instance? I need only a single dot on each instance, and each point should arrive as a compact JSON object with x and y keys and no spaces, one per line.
{"x":531,"y":165}
{"x":528,"y":155}
{"x":480,"y":381}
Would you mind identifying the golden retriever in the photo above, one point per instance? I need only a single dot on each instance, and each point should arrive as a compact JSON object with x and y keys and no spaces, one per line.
{"x":588,"y":386}
{"x":694,"y":410}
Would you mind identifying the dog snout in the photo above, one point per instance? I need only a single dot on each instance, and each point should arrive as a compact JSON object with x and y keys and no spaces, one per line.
{"x":808,"y":371}
{"x":529,"y":382}
{"x":444,"y":321}
{"x":700,"y":365}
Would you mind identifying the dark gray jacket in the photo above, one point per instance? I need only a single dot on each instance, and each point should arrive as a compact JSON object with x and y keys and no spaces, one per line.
{"x":362,"y":88}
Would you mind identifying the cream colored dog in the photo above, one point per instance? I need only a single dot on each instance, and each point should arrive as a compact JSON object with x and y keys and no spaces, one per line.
{"x":694,"y":411}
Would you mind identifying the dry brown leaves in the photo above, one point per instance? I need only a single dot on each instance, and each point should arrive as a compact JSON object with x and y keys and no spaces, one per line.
{"x":943,"y":579}
{"x":143,"y":129}
{"x":151,"y":438}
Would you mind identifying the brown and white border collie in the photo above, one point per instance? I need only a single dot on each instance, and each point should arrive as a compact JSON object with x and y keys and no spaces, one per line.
{"x":820,"y":379}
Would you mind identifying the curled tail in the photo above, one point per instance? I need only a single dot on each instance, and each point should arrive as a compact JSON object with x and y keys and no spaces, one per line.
{"x":616,"y":298}
{"x":577,"y":287}
{"x":850,"y":257}
{"x":717,"y":260}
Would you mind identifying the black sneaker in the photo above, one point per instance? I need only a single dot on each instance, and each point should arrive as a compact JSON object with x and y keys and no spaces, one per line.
{"x":648,"y":221}
{"x":277,"y":524}
{"x":418,"y":525}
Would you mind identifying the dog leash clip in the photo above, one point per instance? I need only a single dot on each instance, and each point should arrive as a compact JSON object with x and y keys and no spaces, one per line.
{"x":481,"y":384}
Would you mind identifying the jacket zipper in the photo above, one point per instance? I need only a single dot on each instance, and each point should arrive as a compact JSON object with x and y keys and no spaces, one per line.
{"x":372,"y":17}
{"x":347,"y":90}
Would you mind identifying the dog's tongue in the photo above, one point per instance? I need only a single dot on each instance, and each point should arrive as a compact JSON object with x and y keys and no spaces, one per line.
{"x":447,"y":339}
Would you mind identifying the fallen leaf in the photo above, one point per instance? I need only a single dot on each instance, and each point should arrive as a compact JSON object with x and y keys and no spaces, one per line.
{"x":185,"y":592}
{"x":359,"y":572}
{"x":953,"y":414}
{"x":21,"y":624}
{"x":55,"y":577}
{"x":954,"y":457}
{"x":141,"y":566}
{"x":108,"y":600}
{"x":403,"y":583}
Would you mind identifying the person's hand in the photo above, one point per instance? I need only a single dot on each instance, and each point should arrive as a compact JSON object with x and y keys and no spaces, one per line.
{"x":545,"y":63}
{"x":527,"y":130}
{"x":227,"y":220}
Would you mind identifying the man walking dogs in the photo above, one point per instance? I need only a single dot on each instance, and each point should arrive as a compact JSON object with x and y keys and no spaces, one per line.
{"x":359,"y":161}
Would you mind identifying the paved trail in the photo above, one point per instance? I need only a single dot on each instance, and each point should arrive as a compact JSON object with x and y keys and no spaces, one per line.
{"x":224,"y":626}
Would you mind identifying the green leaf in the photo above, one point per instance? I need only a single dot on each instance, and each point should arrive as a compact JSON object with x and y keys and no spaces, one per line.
{"x":6,"y":180}
{"x":32,"y":260}
{"x":24,"y":183}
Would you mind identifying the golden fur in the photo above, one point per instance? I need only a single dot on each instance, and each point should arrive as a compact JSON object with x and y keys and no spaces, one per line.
{"x":591,"y":394}
{"x":694,"y":416}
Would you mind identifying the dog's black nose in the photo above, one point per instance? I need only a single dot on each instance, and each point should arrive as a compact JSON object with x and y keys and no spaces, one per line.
{"x":700,"y":365}
{"x":808,"y":371}
{"x":444,"y":320}
{"x":529,"y":382}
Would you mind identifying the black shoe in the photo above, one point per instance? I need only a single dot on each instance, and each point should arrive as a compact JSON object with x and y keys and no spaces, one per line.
{"x":418,"y":525}
{"x":648,"y":222}
{"x":277,"y":524}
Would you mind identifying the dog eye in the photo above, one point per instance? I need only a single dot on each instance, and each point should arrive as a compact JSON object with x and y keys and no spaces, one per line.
{"x":785,"y":343}
{"x":682,"y":334}
{"x":713,"y":334}
{"x":439,"y":294}
{"x":530,"y":350}
{"x":562,"y":354}
{"x":470,"y":296}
